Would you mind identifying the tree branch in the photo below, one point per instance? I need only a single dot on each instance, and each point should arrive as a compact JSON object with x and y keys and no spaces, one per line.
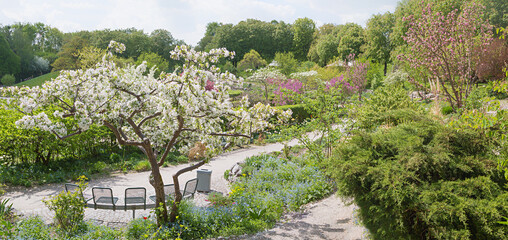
{"x":229,"y":135}
{"x":69,"y":107}
{"x":122,"y":133}
{"x":66,"y":136}
{"x":189,"y":168}
{"x":171,"y":143}
{"x":137,"y":96}
{"x":148,"y":118}
{"x":121,"y":141}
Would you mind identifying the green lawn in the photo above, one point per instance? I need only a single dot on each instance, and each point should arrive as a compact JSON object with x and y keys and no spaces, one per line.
{"x":38,"y":80}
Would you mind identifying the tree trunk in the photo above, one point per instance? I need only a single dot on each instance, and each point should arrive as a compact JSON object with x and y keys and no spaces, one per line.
{"x":158,"y":185}
{"x":386,"y":67}
{"x":178,"y":193}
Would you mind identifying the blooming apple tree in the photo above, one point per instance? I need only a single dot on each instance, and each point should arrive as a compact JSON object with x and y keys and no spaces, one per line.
{"x":153,"y":114}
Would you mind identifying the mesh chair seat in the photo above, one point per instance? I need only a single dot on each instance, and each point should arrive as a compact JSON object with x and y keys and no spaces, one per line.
{"x":134,"y":200}
{"x":106,"y":200}
{"x":169,"y":191}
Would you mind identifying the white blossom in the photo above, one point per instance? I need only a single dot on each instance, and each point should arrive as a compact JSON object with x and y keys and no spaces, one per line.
{"x":107,"y":93}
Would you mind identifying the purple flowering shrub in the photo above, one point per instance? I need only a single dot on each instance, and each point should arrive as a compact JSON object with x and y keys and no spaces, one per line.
{"x":287,"y":91}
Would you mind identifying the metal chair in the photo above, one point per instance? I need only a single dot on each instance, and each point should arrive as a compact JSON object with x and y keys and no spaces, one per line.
{"x":72,"y":188}
{"x":69,"y":187}
{"x":169,"y":191}
{"x":190,"y":188}
{"x":135,"y":196}
{"x":103,"y":197}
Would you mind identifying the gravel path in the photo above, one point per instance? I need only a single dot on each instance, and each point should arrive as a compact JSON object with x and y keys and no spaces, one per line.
{"x":326,"y":219}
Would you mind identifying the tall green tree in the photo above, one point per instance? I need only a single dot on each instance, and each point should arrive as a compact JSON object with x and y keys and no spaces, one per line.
{"x":162,"y":43}
{"x":46,"y":39}
{"x":283,"y":35}
{"x":287,"y":63}
{"x":379,"y":33}
{"x":497,"y":12}
{"x":303,"y":30}
{"x":265,"y":37}
{"x":68,"y":56}
{"x":153,"y":60}
{"x":21,"y":45}
{"x":326,"y":48}
{"x":136,"y":41}
{"x":251,"y":60}
{"x":325,"y":37}
{"x":9,"y":61}
{"x":351,"y":40}
{"x":211,"y":30}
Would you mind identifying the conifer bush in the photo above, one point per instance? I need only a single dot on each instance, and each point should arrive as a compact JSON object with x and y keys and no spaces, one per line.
{"x":420,"y":179}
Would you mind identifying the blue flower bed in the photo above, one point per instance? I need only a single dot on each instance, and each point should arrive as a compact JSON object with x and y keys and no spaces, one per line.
{"x":270,"y":186}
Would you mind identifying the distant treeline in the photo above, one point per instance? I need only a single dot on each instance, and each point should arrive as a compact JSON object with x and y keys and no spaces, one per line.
{"x":28,"y":50}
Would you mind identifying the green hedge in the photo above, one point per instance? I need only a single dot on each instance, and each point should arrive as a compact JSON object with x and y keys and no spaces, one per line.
{"x":235,"y":93}
{"x":422,"y":180}
{"x":35,"y":156}
{"x":300,"y":114}
{"x":35,"y":146}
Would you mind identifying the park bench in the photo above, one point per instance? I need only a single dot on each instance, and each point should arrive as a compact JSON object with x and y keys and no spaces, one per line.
{"x":134,"y":199}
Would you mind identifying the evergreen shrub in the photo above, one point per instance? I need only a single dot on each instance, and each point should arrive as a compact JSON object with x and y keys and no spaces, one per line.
{"x":420,"y":179}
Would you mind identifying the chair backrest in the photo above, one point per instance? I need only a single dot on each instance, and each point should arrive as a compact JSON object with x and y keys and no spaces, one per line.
{"x":135,"y":196}
{"x":69,"y":187}
{"x":190,"y":188}
{"x":102,"y":195}
{"x":169,"y":190}
{"x":72,"y":188}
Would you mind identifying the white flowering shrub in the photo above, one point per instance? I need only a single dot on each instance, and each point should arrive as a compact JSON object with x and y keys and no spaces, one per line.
{"x":395,"y":78}
{"x":154,"y":114}
{"x":304,"y":75}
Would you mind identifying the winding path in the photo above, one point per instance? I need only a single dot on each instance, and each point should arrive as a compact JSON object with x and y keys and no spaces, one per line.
{"x":329,"y":218}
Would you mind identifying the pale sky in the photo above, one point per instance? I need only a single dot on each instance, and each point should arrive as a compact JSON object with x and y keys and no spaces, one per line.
{"x":185,"y":19}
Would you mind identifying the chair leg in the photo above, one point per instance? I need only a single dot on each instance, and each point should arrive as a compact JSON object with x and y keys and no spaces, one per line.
{"x":133,"y":213}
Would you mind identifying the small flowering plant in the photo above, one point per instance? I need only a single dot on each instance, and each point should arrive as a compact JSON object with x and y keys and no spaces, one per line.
{"x":216,"y":199}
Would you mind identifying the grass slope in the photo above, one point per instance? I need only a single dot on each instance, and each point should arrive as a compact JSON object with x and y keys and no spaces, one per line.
{"x":38,"y":81}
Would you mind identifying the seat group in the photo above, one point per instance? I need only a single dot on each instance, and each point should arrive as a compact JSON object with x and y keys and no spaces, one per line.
{"x":134,"y":198}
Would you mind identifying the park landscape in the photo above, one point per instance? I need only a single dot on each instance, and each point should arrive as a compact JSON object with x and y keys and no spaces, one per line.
{"x":399,"y":126}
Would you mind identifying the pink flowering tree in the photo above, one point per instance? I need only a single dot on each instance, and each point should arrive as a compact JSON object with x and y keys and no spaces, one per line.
{"x":356,"y":73}
{"x":287,"y":91}
{"x":151,"y":113}
{"x":446,"y":49}
{"x":339,"y":84}
{"x":267,"y":78}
